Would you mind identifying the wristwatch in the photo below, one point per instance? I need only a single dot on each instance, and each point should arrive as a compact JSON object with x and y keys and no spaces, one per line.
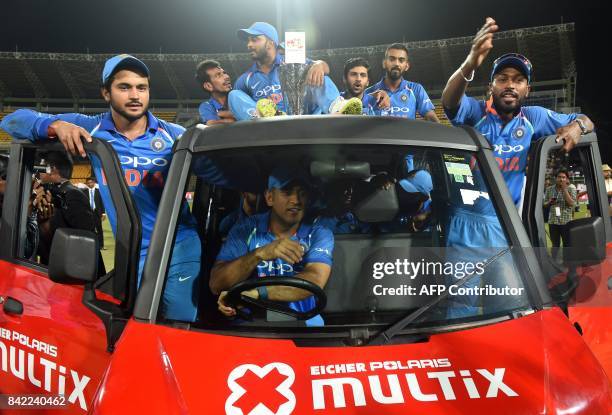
{"x":583,"y":128}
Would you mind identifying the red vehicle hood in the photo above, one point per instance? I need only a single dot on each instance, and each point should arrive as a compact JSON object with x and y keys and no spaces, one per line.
{"x":537,"y":364}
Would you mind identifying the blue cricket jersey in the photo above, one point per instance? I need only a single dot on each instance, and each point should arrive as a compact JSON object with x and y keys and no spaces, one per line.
{"x":408,"y":99}
{"x":510,"y":142}
{"x":209,"y":110}
{"x":253,"y":232}
{"x":145,"y":161}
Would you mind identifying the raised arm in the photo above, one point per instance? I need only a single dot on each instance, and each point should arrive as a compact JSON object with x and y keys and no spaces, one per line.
{"x":457,"y":83}
{"x":68,"y":128}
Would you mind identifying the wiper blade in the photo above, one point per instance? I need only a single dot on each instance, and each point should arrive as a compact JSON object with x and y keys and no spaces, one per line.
{"x":385,"y":336}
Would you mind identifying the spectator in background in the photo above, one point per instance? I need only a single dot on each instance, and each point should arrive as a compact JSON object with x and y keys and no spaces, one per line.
{"x":547,"y":184}
{"x":95,"y":202}
{"x":217,"y":83}
{"x":607,"y":171}
{"x":560,"y":199}
{"x":407,"y":98}
{"x":69,"y":204}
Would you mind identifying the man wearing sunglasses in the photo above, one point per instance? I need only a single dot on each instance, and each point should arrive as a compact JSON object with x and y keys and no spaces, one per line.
{"x":509,"y":126}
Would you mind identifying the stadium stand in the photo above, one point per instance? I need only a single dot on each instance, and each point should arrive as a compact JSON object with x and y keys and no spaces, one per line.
{"x":66,"y":82}
{"x":169,"y":116}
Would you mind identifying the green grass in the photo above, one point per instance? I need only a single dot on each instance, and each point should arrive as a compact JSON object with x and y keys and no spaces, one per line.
{"x":108,"y":255}
{"x":583,"y":212}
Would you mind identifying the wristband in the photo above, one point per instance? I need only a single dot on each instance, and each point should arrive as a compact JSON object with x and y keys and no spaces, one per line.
{"x":263,"y":293}
{"x":466,"y":79}
{"x":583,"y":128}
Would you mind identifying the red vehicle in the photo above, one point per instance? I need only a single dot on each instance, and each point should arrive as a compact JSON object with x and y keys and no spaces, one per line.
{"x":537,"y":340}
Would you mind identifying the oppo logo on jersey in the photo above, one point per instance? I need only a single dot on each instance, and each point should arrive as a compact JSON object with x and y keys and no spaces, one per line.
{"x":142,"y":161}
{"x":395,"y":110}
{"x":273,"y":268}
{"x":270,"y":89}
{"x":506,"y":148}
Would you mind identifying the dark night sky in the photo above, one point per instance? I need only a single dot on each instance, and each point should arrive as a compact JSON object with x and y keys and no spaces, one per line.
{"x":199,"y":26}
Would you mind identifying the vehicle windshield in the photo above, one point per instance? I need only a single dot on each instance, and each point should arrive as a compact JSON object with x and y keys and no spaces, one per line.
{"x":383,"y":230}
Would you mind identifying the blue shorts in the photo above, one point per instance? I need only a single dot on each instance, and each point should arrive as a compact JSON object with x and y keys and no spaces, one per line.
{"x":472,"y":237}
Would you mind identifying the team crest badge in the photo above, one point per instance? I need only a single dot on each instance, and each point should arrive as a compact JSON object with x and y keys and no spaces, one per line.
{"x":404,"y":98}
{"x":519,"y":133}
{"x":157,"y":144}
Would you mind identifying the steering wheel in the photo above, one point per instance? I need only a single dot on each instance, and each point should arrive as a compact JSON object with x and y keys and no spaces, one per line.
{"x":235,"y":297}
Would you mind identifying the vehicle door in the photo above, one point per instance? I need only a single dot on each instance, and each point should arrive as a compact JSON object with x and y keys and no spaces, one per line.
{"x":59,"y":321}
{"x":579,"y":275}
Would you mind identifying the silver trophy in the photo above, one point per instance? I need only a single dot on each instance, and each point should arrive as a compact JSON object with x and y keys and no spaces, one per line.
{"x":293,"y":84}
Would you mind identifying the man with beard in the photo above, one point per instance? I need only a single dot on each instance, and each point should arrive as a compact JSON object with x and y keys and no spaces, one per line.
{"x":407,"y":98}
{"x":276,"y":243}
{"x":258,"y":93}
{"x":356,"y":80}
{"x":502,"y":119}
{"x":135,"y":134}
{"x":217,"y":83}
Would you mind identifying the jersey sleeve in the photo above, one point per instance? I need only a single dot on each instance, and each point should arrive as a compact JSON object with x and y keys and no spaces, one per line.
{"x":424,"y":104}
{"x":32,"y":125}
{"x":321,"y":246}
{"x":173,"y":129}
{"x":241,"y":84}
{"x":236,"y":245}
{"x":207,"y":112}
{"x":546,"y":122}
{"x":470,"y":111}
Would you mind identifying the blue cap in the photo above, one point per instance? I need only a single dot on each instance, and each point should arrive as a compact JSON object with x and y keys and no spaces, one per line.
{"x":260,"y":28}
{"x":283,"y":176}
{"x":513,"y":60}
{"x":126,"y":61}
{"x":420,"y":182}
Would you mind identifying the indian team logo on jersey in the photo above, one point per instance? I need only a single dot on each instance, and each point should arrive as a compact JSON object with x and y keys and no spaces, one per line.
{"x":404,"y":98}
{"x":518,"y":133}
{"x":157,"y":144}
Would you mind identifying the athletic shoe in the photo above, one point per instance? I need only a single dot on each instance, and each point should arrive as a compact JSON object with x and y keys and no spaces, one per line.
{"x":352,"y":106}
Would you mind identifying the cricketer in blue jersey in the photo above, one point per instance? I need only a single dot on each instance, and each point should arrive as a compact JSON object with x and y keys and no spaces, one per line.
{"x":277,"y":243}
{"x":143,"y":144}
{"x":509,"y":126}
{"x":216,"y":83}
{"x":407,"y":98}
{"x":257,"y":92}
{"x":356,"y":80}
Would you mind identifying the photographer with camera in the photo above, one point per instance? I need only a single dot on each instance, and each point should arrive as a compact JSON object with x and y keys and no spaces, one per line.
{"x":59,"y":204}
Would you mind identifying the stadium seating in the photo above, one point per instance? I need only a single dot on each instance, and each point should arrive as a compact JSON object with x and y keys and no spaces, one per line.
{"x":5,"y":139}
{"x":169,"y":116}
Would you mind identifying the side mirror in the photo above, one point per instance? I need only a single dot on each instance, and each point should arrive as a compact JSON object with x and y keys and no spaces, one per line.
{"x":587,"y":241}
{"x":74,"y":256}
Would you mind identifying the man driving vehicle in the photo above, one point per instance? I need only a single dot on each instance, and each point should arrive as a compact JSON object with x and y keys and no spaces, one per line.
{"x":276,"y":243}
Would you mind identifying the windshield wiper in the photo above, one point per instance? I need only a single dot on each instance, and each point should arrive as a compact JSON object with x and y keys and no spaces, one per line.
{"x":385,"y":336}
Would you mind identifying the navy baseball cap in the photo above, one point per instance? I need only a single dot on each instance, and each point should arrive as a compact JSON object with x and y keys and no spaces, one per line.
{"x":514,"y":60}
{"x":281,"y":177}
{"x":122,"y":61}
{"x":260,"y":28}
{"x":420,"y":182}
